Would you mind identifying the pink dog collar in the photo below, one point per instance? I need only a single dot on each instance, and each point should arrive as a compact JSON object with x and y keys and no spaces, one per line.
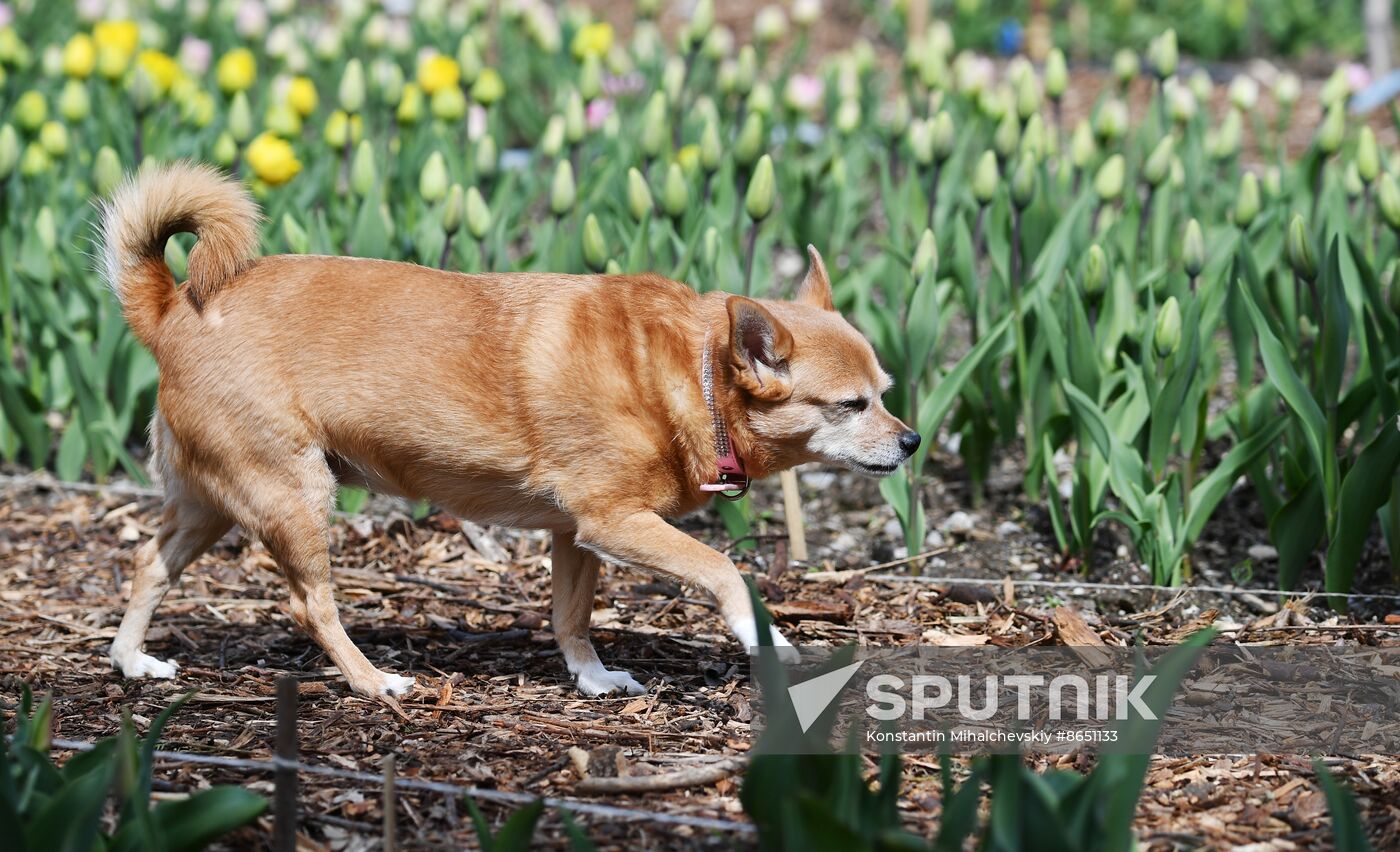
{"x":731,"y":480}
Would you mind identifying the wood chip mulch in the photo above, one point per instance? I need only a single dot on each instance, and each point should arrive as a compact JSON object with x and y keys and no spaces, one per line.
{"x":495,"y":707}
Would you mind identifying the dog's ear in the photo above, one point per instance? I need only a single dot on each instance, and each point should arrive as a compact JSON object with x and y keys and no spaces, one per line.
{"x":816,"y":287}
{"x":759,"y":347}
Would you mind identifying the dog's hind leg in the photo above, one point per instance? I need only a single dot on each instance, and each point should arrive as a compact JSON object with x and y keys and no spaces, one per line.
{"x":292,"y":520}
{"x":187,"y":529}
{"x":575,"y":576}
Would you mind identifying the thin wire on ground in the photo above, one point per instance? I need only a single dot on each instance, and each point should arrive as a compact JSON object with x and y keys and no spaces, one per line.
{"x":502,"y":796}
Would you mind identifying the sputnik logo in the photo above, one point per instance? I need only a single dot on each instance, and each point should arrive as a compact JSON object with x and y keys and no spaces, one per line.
{"x":811,"y":697}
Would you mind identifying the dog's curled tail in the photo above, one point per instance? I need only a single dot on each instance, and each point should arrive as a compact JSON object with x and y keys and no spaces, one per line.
{"x":156,"y":203}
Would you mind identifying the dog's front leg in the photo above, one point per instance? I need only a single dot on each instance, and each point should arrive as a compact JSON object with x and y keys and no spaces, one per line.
{"x":645,"y":540}
{"x":574,"y":573}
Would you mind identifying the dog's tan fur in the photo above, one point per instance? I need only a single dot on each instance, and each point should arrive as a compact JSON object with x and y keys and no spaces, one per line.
{"x":566,"y":403}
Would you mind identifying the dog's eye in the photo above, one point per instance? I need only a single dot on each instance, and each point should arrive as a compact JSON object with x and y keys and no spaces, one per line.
{"x":853,"y":405}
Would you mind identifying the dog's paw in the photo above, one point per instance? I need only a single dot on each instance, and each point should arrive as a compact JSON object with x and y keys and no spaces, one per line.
{"x":747,"y":634}
{"x":600,"y":681}
{"x":395,"y":685}
{"x":136,"y":665}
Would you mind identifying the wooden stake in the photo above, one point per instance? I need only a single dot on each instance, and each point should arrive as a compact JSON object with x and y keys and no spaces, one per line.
{"x":792,"y":511}
{"x":391,"y":816}
{"x":285,"y":777}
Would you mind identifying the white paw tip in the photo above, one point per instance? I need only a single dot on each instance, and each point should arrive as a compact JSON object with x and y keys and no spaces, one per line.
{"x":596,"y":685}
{"x":144,"y":665}
{"x":396,"y":685}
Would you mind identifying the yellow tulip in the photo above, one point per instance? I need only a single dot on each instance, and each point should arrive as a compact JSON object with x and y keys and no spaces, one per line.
{"x":122,"y":36}
{"x":593,"y":40}
{"x":162,"y":68}
{"x":301,"y":96}
{"x":112,"y":61}
{"x":237,"y":70}
{"x":439,"y":72}
{"x":272,"y":159}
{"x":79,"y":56}
{"x":342,"y":126}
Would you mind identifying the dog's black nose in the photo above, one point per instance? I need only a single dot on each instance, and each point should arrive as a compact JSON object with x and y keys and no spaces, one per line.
{"x":909,"y":442}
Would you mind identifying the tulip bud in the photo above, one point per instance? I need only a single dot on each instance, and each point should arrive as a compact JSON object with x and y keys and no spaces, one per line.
{"x":1007,"y":136}
{"x":410,"y":108}
{"x":1159,"y":165}
{"x":746,"y":70}
{"x":1108,"y":182}
{"x":749,"y":145}
{"x":74,"y":103}
{"x":1299,"y":250}
{"x":240,"y":119}
{"x":595,"y":248}
{"x":432,"y":181}
{"x":770,"y":25}
{"x":1162,"y":54}
{"x":1247,"y":201}
{"x":1351,"y":182}
{"x":1286,"y":89}
{"x":709,"y":247}
{"x":225,"y":150}
{"x":1112,"y":120}
{"x":921,"y":141}
{"x":943,"y":135}
{"x":1227,"y":140}
{"x":562,"y":191}
{"x":487,"y":159}
{"x":848,"y":117}
{"x":1244,"y":93}
{"x":1167,"y":336}
{"x":1056,"y":74}
{"x":448,"y":104}
{"x":468,"y":59}
{"x":675,"y":194}
{"x":282,"y":120}
{"x":1125,"y":66}
{"x":1273,"y":182}
{"x":575,"y":124}
{"x":352,"y":87}
{"x":925,"y":257}
{"x":590,"y":77}
{"x":478,"y":214}
{"x":1095,"y":271}
{"x":897,"y":115}
{"x":1033,"y":138}
{"x":35,"y":160}
{"x":1388,"y":196}
{"x":711,"y":148}
{"x":1336,"y":89}
{"x":639,"y":202}
{"x":1193,"y":249}
{"x":1023,"y":182}
{"x":452,"y":208}
{"x":759,"y":199}
{"x":295,"y":235}
{"x":1333,"y":128}
{"x":1081,"y":146}
{"x":655,"y":127}
{"x":46,"y":229}
{"x":9,"y":150}
{"x":985,"y":178}
{"x":54,"y":137}
{"x":1027,"y":96}
{"x":1368,"y":156}
{"x":363,"y":172}
{"x":31,"y":111}
{"x":142,"y":89}
{"x":106,"y":171}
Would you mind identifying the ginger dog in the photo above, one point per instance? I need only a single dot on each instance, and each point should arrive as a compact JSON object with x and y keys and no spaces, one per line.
{"x":574,"y":404}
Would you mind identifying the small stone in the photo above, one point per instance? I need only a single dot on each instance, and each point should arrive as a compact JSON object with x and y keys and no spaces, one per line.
{"x":893,"y":529}
{"x":934,"y":540}
{"x":843,"y":543}
{"x":818,"y":479}
{"x":959,"y":523}
{"x":1263,"y":553}
{"x":1007,"y":529}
